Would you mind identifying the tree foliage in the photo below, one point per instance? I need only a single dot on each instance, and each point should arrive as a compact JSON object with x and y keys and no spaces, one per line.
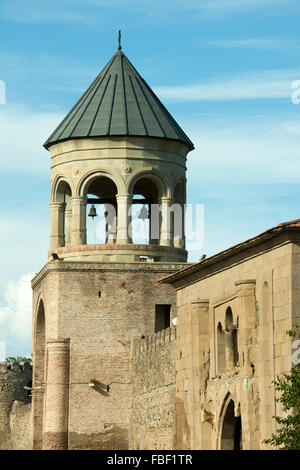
{"x":287,"y":436}
{"x":17,"y":359}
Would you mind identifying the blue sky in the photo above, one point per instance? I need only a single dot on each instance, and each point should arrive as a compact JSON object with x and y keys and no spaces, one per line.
{"x":223,"y":68}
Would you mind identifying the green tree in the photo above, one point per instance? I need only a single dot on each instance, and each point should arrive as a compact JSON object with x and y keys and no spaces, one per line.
{"x":17,"y":359}
{"x":287,"y":436}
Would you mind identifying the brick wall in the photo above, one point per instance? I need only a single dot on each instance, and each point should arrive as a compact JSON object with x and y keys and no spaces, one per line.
{"x":100,"y":328}
{"x":153,"y":394}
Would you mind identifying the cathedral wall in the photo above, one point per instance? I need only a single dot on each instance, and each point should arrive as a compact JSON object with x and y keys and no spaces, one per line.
{"x":99,"y":307}
{"x":259,"y":292}
{"x":296,"y":283}
{"x":154,"y":389}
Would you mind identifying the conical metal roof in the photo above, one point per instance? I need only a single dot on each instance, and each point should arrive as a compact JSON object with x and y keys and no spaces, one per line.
{"x":118,"y":103}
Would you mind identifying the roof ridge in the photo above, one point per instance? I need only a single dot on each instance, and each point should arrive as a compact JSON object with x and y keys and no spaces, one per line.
{"x":150,"y":106}
{"x":112,"y":102}
{"x":124,"y":96}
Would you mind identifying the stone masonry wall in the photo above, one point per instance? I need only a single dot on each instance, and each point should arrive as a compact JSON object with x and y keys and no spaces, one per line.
{"x":20,"y":425}
{"x":259,"y":290}
{"x":153,"y":398}
{"x":13,"y":378}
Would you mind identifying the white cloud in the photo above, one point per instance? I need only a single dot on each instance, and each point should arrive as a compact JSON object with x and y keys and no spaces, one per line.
{"x":23,"y":133}
{"x":35,"y":11}
{"x":253,"y":85}
{"x":238,"y":4}
{"x":75,"y":11}
{"x":257,"y":43}
{"x":256,"y":148}
{"x":43,"y":67}
{"x":261,"y":149}
{"x":15,"y":315}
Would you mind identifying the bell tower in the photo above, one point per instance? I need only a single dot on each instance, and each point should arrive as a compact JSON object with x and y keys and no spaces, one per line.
{"x":117,"y":148}
{"x":118,"y":156}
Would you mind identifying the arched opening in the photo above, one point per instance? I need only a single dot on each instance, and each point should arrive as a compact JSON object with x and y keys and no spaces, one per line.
{"x":39,"y":360}
{"x":221,"y":360}
{"x":228,"y":319}
{"x":101,"y":213}
{"x":230,"y":341}
{"x":39,"y":375}
{"x":63,"y":224}
{"x":231,"y":435}
{"x":144,"y":222}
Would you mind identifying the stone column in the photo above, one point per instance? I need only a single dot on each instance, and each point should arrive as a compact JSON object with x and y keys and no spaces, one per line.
{"x":56,"y":225}
{"x":229,"y":350}
{"x":57,"y":395}
{"x":179,"y":235}
{"x":68,"y":226}
{"x":167,"y":222}
{"x":123,"y":219}
{"x":78,"y":236}
{"x":192,"y":366}
{"x":200,"y":372}
{"x":266,"y":365}
{"x":248,"y":363}
{"x":110,"y":223}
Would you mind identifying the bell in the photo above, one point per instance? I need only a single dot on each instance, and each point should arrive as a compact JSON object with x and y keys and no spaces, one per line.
{"x":93,"y":212}
{"x":143,"y":213}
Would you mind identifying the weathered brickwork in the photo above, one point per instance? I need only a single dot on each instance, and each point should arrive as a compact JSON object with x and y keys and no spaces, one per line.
{"x":99,"y":308}
{"x":153,"y":395}
{"x":13,"y":378}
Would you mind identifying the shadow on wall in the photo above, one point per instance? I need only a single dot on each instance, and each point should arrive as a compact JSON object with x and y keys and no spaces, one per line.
{"x":183,"y":431}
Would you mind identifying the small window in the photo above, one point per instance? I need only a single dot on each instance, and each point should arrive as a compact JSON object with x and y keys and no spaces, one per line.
{"x":162,"y":317}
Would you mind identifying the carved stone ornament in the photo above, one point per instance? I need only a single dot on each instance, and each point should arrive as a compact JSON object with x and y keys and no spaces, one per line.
{"x":126,"y":169}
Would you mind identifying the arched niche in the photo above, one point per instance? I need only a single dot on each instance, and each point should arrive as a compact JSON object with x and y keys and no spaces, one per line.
{"x":266,"y":303}
{"x":39,"y":375}
{"x":39,"y":365}
{"x":231,"y":426}
{"x":231,"y":346}
{"x":221,"y":359}
{"x":228,"y":319}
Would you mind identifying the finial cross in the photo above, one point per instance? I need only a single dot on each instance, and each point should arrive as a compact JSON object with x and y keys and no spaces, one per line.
{"x":119,"y":40}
